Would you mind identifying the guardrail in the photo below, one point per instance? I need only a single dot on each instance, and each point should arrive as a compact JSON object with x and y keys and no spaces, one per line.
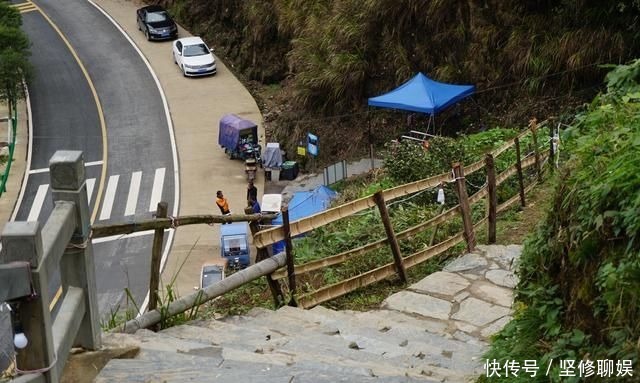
{"x":31,"y":255}
{"x":13,"y":122}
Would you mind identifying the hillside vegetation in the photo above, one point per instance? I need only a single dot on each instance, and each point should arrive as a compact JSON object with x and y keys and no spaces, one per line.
{"x":326,"y":57}
{"x":579,"y":291}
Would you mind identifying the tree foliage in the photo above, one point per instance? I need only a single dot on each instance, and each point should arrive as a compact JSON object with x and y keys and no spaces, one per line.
{"x":338,"y":52}
{"x":532,"y":57}
{"x":14,"y":53}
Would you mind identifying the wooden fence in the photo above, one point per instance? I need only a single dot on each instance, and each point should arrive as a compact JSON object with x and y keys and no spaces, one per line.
{"x":397,"y":267}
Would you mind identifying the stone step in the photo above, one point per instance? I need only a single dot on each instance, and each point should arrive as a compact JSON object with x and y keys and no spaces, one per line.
{"x":149,"y":340}
{"x":392,"y":325}
{"x":311,"y":345}
{"x":164,"y":366}
{"x":283,"y":322}
{"x":398,"y":340}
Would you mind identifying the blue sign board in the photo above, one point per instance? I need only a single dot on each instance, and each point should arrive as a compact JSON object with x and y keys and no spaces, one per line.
{"x":312,"y":144}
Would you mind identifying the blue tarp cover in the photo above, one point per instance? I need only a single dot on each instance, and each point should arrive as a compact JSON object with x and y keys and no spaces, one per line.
{"x":235,"y":228}
{"x":422,"y":94}
{"x":230,"y":128}
{"x":304,"y":204}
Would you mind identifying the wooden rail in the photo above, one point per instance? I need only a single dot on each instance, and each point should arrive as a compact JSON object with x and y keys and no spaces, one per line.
{"x":344,"y":256}
{"x":351,"y":284}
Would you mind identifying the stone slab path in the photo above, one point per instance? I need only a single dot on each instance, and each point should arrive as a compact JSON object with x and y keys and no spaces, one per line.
{"x":434,"y":331}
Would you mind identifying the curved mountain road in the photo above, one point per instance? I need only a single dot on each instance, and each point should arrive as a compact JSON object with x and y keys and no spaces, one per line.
{"x":196,"y":105}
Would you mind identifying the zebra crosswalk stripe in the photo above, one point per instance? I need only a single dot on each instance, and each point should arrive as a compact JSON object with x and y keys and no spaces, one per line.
{"x":132,"y":197}
{"x":91,"y":182}
{"x":156,"y":191}
{"x":34,"y":213}
{"x":109,"y":197}
{"x":112,"y":192}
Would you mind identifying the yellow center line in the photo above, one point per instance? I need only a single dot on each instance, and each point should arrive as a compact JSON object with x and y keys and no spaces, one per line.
{"x":103,"y":125}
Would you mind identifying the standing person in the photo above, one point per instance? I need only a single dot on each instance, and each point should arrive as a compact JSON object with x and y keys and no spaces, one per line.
{"x":223,"y":204}
{"x":252,"y":192}
{"x":255,"y":206}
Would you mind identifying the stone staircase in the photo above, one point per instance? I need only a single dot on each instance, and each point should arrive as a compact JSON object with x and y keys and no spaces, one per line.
{"x":434,"y":331}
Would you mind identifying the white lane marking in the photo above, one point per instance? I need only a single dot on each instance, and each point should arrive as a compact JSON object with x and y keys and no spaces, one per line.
{"x":109,"y":197}
{"x":45,"y":170}
{"x":91,"y":182}
{"x":156,"y":191}
{"x":34,"y":213}
{"x":93,"y":163}
{"x":134,"y":190}
{"x":172,"y":138}
{"x":36,"y":171}
{"x":125,"y":236}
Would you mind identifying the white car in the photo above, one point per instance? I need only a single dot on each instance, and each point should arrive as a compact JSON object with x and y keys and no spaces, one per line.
{"x":193,"y":57}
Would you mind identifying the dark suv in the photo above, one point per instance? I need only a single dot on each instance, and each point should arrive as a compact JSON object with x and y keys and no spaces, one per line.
{"x":156,"y":24}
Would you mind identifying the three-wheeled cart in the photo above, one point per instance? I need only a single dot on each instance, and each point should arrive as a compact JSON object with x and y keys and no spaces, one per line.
{"x":234,"y":245}
{"x":239,"y":137}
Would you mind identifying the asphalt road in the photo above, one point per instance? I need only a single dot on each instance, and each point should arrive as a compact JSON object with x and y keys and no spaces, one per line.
{"x":116,"y":106}
{"x":139,"y":166}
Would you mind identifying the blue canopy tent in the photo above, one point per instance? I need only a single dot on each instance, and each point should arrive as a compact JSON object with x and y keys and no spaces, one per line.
{"x":304,"y":204}
{"x":421,"y":94}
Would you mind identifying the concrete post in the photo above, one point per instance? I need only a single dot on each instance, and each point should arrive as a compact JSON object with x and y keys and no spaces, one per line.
{"x":77,"y":268}
{"x":22,"y":241}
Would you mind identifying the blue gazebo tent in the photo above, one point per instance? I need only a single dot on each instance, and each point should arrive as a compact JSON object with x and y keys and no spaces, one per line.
{"x":422,"y":94}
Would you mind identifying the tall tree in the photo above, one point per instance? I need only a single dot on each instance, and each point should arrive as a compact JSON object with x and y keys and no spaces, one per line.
{"x":14,"y":53}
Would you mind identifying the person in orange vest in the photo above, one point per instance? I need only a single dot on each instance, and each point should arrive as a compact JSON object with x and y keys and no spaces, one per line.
{"x":223,"y":204}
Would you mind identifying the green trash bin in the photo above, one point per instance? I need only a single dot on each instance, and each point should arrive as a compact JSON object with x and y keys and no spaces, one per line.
{"x":289,"y":170}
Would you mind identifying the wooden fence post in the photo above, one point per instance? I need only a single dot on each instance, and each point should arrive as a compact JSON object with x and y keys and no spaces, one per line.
{"x":22,"y":241}
{"x":77,"y":266}
{"x":465,"y":209}
{"x":391,"y":236}
{"x":493,"y":197}
{"x":534,"y":136}
{"x":289,"y":249}
{"x":156,"y":257}
{"x":263,"y":253}
{"x":516,"y":141}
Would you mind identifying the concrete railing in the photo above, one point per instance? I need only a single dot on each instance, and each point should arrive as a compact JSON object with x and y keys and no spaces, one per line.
{"x":31,"y":256}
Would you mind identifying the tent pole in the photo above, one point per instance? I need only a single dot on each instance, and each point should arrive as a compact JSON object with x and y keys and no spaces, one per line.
{"x":433,"y":117}
{"x":370,"y":138}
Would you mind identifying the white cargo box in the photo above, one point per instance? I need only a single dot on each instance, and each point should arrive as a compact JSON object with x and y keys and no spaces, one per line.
{"x":271,"y":203}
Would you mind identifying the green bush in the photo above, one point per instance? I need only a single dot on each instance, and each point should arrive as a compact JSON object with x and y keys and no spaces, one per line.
{"x":408,"y":161}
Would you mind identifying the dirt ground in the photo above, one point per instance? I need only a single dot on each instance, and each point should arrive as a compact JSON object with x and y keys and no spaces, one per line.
{"x":522,"y":222}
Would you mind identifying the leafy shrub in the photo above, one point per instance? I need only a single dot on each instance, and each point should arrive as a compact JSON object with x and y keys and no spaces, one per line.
{"x":408,"y":161}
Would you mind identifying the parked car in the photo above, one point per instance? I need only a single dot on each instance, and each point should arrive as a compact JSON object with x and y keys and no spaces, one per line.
{"x":156,"y":24}
{"x":193,"y":57}
{"x":210,"y":274}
